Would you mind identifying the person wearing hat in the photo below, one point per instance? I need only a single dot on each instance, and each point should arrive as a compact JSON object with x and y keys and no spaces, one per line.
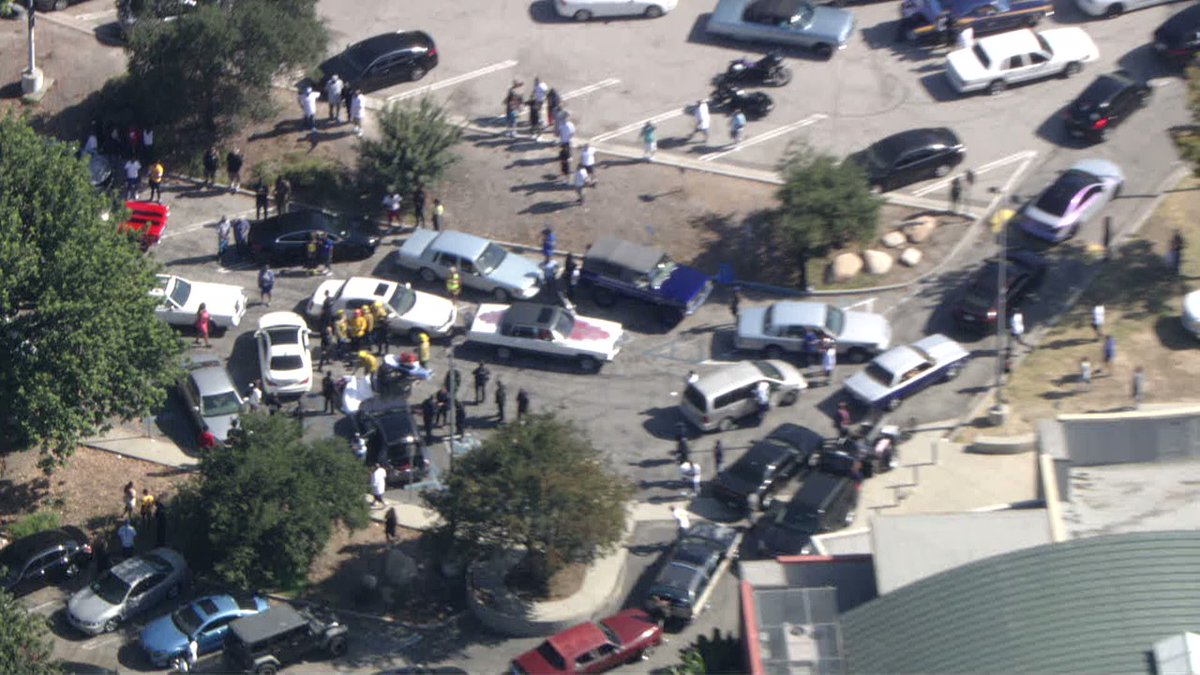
{"x":358,"y":329}
{"x":454,"y":284}
{"x":423,"y":349}
{"x":341,"y":330}
{"x":308,"y":105}
{"x":381,"y":326}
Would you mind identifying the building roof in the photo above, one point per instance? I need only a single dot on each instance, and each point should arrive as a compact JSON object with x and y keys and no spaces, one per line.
{"x":626,"y":254}
{"x":909,"y":548}
{"x":1132,"y":498}
{"x":1088,"y":605}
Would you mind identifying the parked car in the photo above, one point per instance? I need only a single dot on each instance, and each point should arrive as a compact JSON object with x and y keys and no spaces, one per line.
{"x":1105,"y":104}
{"x":720,"y":399}
{"x":51,"y":556}
{"x":393,"y":439}
{"x":781,"y":327}
{"x":827,"y":501}
{"x":409,"y":312}
{"x":795,"y":23}
{"x":910,"y":156}
{"x":130,"y":588}
{"x":583,"y":10}
{"x":593,"y":647}
{"x":382,"y":60}
{"x":1191,"y":313}
{"x":209,"y":395}
{"x":923,"y":19}
{"x":1177,"y":40}
{"x":51,"y":5}
{"x":1114,"y":8}
{"x":282,"y":635}
{"x":131,"y":13}
{"x":976,"y":310}
{"x":181,"y":298}
{"x":205,"y":620}
{"x":998,"y":61}
{"x":284,"y":358}
{"x":615,"y":268}
{"x":146,"y":223}
{"x":1076,"y":196}
{"x":700,"y":556}
{"x":902,"y":371}
{"x":750,"y":483}
{"x":481,"y":264}
{"x":548,"y":330}
{"x":100,"y":170}
{"x":283,"y":239}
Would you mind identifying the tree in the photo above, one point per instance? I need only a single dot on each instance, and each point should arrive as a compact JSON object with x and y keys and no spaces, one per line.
{"x":77,"y":325}
{"x":263,"y":507}
{"x":25,"y":645}
{"x":540,"y":485}
{"x":825,"y":203}
{"x":413,"y":148}
{"x":203,"y":75}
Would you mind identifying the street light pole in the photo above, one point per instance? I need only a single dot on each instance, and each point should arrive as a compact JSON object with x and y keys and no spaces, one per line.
{"x":31,"y":78}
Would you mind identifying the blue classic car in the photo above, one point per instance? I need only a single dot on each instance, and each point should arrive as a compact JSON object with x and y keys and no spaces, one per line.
{"x":206,"y":619}
{"x":937,"y":20}
{"x":796,"y":23}
{"x":614,"y":267}
{"x":903,"y":371}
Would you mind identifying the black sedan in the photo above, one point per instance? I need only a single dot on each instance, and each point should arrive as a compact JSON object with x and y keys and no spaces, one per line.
{"x":283,"y":239}
{"x":1178,"y":39}
{"x":976,"y":309}
{"x":910,"y":156}
{"x":31,"y":562}
{"x":753,"y":480}
{"x":383,"y":60}
{"x":1105,"y":104}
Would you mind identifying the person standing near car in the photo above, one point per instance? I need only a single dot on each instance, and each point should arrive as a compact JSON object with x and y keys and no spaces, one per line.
{"x":501,"y":398}
{"x":233,"y":165}
{"x":308,"y":106}
{"x":737,"y":127}
{"x":266,"y":283}
{"x":356,"y":112}
{"x":241,"y":236}
{"x":418,"y":200}
{"x":439,"y":210}
{"x":133,"y":169}
{"x":203,"y":321}
{"x":128,"y":536}
{"x":211,"y":161}
{"x":381,"y":326}
{"x":703,"y":119}
{"x":482,"y":374}
{"x":283,"y":193}
{"x":329,"y":392}
{"x":423,"y":355}
{"x":454,"y":284}
{"x":391,"y":203}
{"x":326,"y":253}
{"x":262,"y":201}
{"x":223,"y":231}
{"x":154,"y":177}
{"x":333,"y":95}
{"x":378,"y":485}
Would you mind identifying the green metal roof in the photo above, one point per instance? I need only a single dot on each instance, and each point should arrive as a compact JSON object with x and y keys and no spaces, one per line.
{"x":1093,"y":605}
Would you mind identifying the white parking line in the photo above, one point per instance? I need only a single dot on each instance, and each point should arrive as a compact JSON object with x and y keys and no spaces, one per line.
{"x":48,"y":603}
{"x":764,"y":137}
{"x":201,"y":225}
{"x":100,"y":642}
{"x":675,"y":112}
{"x":450,"y":82}
{"x":582,"y":91}
{"x":1003,"y":161}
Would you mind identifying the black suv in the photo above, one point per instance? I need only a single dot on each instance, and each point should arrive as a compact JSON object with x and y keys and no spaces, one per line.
{"x":264,"y":643}
{"x":614,"y":267}
{"x":1106,"y":103}
{"x":752,"y":481}
{"x":383,"y":60}
{"x":393,"y":440}
{"x":1177,"y":40}
{"x":827,"y":501}
{"x":31,"y":562}
{"x":283,"y":239}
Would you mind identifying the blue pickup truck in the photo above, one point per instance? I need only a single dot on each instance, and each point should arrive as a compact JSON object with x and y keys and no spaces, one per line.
{"x":941,"y":20}
{"x":614,"y":268}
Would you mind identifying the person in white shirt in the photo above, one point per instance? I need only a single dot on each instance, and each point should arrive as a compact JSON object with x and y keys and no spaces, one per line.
{"x":580,"y":182}
{"x":378,"y":485}
{"x":359,"y":444}
{"x":966,"y":38}
{"x":681,"y":517}
{"x":128,"y":536}
{"x":565,"y":129}
{"x":1098,"y":321}
{"x":308,"y":105}
{"x":587,"y":159}
{"x":133,"y":169}
{"x":392,"y":204}
{"x":1017,"y":327}
{"x":255,"y":397}
{"x":703,"y":119}
{"x":91,"y":145}
{"x":333,"y":95}
{"x":356,"y":113}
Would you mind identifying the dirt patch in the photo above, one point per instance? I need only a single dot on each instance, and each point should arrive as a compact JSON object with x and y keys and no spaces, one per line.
{"x":562,"y":584}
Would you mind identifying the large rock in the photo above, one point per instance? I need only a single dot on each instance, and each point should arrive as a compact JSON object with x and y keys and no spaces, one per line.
{"x":920,"y":228}
{"x":845,"y":266}
{"x":894,"y":239}
{"x":399,"y":569}
{"x":911,"y":257}
{"x":877,"y":262}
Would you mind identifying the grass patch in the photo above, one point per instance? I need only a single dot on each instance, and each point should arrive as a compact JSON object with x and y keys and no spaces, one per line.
{"x":319,"y":181}
{"x":34,"y":523}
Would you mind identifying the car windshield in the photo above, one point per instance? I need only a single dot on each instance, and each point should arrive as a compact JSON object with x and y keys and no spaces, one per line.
{"x":768,"y":370}
{"x":111,"y":588}
{"x":187,"y":620}
{"x":284,"y":336}
{"x":835,"y":319}
{"x":490,"y":259}
{"x":564,"y":324}
{"x":1043,"y":44}
{"x":803,"y":16}
{"x":662,"y":272}
{"x":225,"y":403}
{"x":287,"y":362}
{"x":1058,"y":197}
{"x":403,"y":300}
{"x":548,"y":652}
{"x":878,"y":373}
{"x":610,"y":634}
{"x":980,"y":54}
{"x":181,"y":292}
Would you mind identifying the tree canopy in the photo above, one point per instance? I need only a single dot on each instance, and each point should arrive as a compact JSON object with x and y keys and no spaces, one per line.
{"x":24,"y":640}
{"x":77,"y":324}
{"x":413,"y":147}
{"x":261,"y":508}
{"x":540,"y":485}
{"x":824,"y":202}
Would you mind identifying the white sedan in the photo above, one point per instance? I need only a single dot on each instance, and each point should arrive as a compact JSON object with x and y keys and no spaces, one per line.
{"x":997,"y":61}
{"x":283,"y":353}
{"x":582,"y":10}
{"x":410,"y":312}
{"x":180,"y":299}
{"x":549,"y":330}
{"x":1191,"y":313}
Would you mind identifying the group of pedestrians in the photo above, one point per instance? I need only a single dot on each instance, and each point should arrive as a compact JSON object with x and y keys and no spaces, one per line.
{"x":152,"y":513}
{"x":234,"y":161}
{"x":338,"y":95}
{"x":393,"y":207}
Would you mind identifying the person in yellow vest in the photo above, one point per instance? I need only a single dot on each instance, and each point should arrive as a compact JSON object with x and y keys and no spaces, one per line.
{"x":381,"y":326}
{"x":154,"y":176}
{"x":358,"y":328}
{"x":423,"y":349}
{"x":341,"y":330}
{"x":454,"y":284}
{"x":370,"y":366}
{"x":369,"y":317}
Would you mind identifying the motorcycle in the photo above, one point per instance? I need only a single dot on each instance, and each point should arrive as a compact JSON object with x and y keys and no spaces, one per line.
{"x":769,"y":70}
{"x":754,"y":105}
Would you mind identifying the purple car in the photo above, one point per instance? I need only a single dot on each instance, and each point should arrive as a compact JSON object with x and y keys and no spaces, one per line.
{"x":1071,"y":200}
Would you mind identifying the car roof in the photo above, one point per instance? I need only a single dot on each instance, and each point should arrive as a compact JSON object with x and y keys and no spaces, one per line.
{"x":38,"y":542}
{"x":1004,"y":45}
{"x":732,"y":375}
{"x":793,"y":313}
{"x":211,"y":378}
{"x":805,"y":438}
{"x":577,"y":640}
{"x":625,"y":254}
{"x":776,"y":8}
{"x":530,"y":313}
{"x":295,"y":221}
{"x":278,"y":619}
{"x":460,"y":243}
{"x":366,"y":287}
{"x":892,"y":146}
{"x":281,"y":319}
{"x":711,"y":532}
{"x":900,"y":359}
{"x":146,"y":564}
{"x":377,"y":45}
{"x":1104,"y":87}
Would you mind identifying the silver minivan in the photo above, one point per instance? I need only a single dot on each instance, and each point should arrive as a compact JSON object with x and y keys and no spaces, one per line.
{"x":718,"y":400}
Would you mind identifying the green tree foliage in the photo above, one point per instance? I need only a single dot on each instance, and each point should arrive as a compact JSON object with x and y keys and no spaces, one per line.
{"x":413,"y":148}
{"x":718,"y":653}
{"x":203,"y":75}
{"x":261,"y":509}
{"x":24,"y":640}
{"x":540,"y":485}
{"x":825,"y":203}
{"x":80,"y":341}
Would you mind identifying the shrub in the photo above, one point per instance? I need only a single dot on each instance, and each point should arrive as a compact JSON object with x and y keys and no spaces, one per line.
{"x":34,"y":523}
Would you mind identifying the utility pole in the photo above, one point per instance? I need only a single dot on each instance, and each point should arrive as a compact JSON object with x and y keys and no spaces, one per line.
{"x":32,"y":79}
{"x":999,"y":221}
{"x":452,"y":415}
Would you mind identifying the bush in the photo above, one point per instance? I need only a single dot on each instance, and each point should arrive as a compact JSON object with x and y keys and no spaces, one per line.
{"x":414,"y":148}
{"x":318,"y":181}
{"x":34,"y":523}
{"x":825,"y":203}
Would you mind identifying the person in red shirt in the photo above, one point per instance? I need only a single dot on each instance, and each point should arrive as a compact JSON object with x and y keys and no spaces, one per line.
{"x":206,"y":441}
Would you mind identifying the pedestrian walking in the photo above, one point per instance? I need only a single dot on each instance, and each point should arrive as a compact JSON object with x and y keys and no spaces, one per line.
{"x":1110,"y":351}
{"x":391,"y":204}
{"x":737,"y":127}
{"x":154,"y":177}
{"x":266,"y":283}
{"x":553,"y":107}
{"x":160,"y":525}
{"x":357,"y":105}
{"x":735,"y":301}
{"x":1177,"y":246}
{"x":1016,"y":326}
{"x":382,"y":332}
{"x":1098,"y":321}
{"x":389,"y":525}
{"x":695,"y":477}
{"x":535,"y":118}
{"x":580,"y":182}
{"x":955,"y":193}
{"x":762,"y":397}
{"x":564,"y":162}
{"x":283,"y":194}
{"x":683,"y":450}
{"x":254,"y":397}
{"x":540,"y":91}
{"x":718,"y":457}
{"x":224,"y":229}
{"x":571,"y":276}
{"x":1139,"y":387}
{"x":128,"y":500}
{"x":482,"y":375}
{"x":333,"y":95}
{"x":325,"y":253}
{"x":203,"y":324}
{"x":428,"y":413}
{"x":512,"y":107}
{"x":423,"y":349}
{"x":454,"y":284}
{"x":329,"y":393}
{"x":565,"y":128}
{"x":212,"y":161}
{"x":128,"y":537}
{"x":146,"y":507}
{"x":501,"y":398}
{"x":1108,"y":237}
{"x":442,"y":399}
{"x":587,"y":160}
{"x":418,"y":200}
{"x":681,"y":517}
{"x":328,"y":343}
{"x":308,"y":107}
{"x":703,"y":119}
{"x":522,"y":404}
{"x":828,"y":362}
{"x":133,"y":169}
{"x":262,"y":201}
{"x":241,"y":236}
{"x":689,"y":473}
{"x":649,"y":140}
{"x":549,"y":241}
{"x":378,"y":485}
{"x":358,"y":446}
{"x":842,"y":419}
{"x":439,"y":210}
{"x":692,"y":378}
{"x":1085,"y":372}
{"x":460,"y":418}
{"x":233,"y":166}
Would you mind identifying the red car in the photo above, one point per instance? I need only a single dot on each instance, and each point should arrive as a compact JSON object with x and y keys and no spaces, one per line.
{"x":147,"y":218}
{"x":593,"y":647}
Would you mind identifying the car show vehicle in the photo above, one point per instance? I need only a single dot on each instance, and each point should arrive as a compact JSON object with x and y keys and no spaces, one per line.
{"x":382,"y":60}
{"x":976,"y":309}
{"x":482,"y":265}
{"x":283,"y":239}
{"x":997,"y":62}
{"x":1074,"y":198}
{"x":548,"y":330}
{"x":826,"y":501}
{"x":409,"y":312}
{"x":1177,"y":40}
{"x":718,"y":400}
{"x":584,"y":10}
{"x":130,"y":588}
{"x":393,"y":439}
{"x":33,"y":561}
{"x":284,"y":356}
{"x":903,"y":371}
{"x":795,"y":23}
{"x":614,"y":268}
{"x":266,"y":642}
{"x":209,"y":396}
{"x":593,"y":647}
{"x":783,"y":326}
{"x":205,"y":620}
{"x":701,"y":555}
{"x":181,"y":299}
{"x":750,"y":483}
{"x":939,"y":20}
{"x":147,"y":221}
{"x":909,"y":156}
{"x":1105,"y":104}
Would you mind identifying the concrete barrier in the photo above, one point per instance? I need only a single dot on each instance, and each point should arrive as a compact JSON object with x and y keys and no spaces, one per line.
{"x":1004,"y":445}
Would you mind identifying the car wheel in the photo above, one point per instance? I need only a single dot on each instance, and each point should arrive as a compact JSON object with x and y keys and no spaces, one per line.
{"x":417,"y":73}
{"x":501,"y":295}
{"x":504,"y":353}
{"x":173,"y":591}
{"x":857,"y":355}
{"x":952,"y":372}
{"x":604,"y":297}
{"x":942,"y":170}
{"x":266,"y":669}
{"x":782,"y":77}
{"x":893,"y":404}
{"x":427,"y":275}
{"x":653,"y":12}
{"x":60,"y":5}
{"x":789,"y":398}
{"x":582,"y":15}
{"x":110,"y":625}
{"x":773,"y":352}
{"x":1072,"y":69}
{"x":1114,"y":10}
{"x":823,"y":50}
{"x":725,"y":424}
{"x":996,"y":87}
{"x":588,"y":364}
{"x":415,"y":335}
{"x":337,"y":646}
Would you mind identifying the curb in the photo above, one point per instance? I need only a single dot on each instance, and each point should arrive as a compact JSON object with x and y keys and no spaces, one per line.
{"x":91,"y":444}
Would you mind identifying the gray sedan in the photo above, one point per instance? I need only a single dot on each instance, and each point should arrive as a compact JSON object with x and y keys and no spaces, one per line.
{"x":209,"y":395}
{"x":482,"y":265}
{"x":797,"y":23}
{"x":790,"y":326}
{"x":130,"y":588}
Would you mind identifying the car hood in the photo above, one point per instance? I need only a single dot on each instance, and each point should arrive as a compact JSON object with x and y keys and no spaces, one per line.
{"x":1071,"y":44}
{"x":1191,"y":305}
{"x":965,"y":65}
{"x":88,"y":607}
{"x":864,"y":328}
{"x":220,"y":425}
{"x":831,"y":22}
{"x":1100,"y":167}
{"x":431,"y":310}
{"x":865,"y":388}
{"x":735,"y":485}
{"x":596,"y":335}
{"x":750,"y":322}
{"x":221,"y":299}
{"x":313,"y":308}
{"x":1031,"y":216}
{"x":684,"y":284}
{"x":162,"y":635}
{"x":516,"y":271}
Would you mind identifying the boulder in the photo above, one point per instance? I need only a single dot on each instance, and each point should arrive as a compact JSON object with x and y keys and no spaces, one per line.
{"x":920,"y":228}
{"x":894,"y":239}
{"x":877,"y":262}
{"x":911,"y":257}
{"x":399,"y":569}
{"x":845,"y":266}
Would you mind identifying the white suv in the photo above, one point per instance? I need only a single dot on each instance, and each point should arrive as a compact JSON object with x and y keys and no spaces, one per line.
{"x":996,"y":61}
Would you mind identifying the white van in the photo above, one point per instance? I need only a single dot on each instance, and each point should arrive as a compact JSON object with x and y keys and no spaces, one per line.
{"x":718,"y":400}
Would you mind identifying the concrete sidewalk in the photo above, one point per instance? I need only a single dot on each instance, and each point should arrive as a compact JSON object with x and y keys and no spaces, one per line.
{"x":129,"y":441}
